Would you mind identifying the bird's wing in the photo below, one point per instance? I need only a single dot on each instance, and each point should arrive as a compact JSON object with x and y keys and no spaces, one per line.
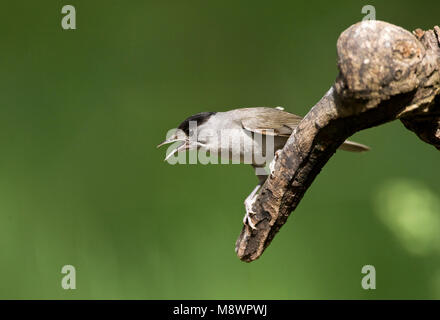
{"x":270,"y":121}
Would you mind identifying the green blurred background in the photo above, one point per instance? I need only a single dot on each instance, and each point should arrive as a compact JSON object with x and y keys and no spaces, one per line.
{"x":82,"y":183}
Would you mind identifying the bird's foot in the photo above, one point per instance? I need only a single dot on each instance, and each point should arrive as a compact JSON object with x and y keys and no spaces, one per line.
{"x":247,"y":220}
{"x":249,"y":203}
{"x":272,"y":163}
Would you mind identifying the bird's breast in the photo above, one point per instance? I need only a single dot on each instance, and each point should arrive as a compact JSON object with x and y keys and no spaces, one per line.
{"x":243,"y":146}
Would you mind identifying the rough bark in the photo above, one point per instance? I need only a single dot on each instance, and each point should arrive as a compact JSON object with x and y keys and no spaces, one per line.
{"x":385,"y":73}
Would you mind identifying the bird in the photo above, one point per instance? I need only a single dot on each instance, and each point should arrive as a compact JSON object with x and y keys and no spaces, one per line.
{"x":246,"y":135}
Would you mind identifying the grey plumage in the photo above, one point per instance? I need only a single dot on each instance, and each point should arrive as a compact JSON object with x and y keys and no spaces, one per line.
{"x":271,"y":121}
{"x":242,"y":127}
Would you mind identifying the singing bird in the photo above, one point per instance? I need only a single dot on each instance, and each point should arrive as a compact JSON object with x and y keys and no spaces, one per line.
{"x":252,"y":135}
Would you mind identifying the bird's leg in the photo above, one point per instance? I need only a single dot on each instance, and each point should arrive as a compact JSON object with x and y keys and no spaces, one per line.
{"x":248,"y":203}
{"x":272,"y":163}
{"x":250,"y":200}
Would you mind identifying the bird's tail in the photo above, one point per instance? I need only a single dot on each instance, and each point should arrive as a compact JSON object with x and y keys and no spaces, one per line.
{"x":353,"y":146}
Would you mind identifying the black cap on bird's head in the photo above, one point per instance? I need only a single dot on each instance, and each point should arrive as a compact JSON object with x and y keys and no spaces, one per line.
{"x":199,"y":118}
{"x":183,"y":132}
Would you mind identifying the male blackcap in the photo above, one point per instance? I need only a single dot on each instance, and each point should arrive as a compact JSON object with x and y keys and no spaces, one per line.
{"x":247,"y":135}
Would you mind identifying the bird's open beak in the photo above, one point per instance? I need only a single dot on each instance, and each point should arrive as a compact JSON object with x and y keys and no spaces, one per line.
{"x":169,"y":141}
{"x":183,"y":146}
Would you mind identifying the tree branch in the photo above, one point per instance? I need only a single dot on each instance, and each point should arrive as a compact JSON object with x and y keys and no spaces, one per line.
{"x":386,"y":73}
